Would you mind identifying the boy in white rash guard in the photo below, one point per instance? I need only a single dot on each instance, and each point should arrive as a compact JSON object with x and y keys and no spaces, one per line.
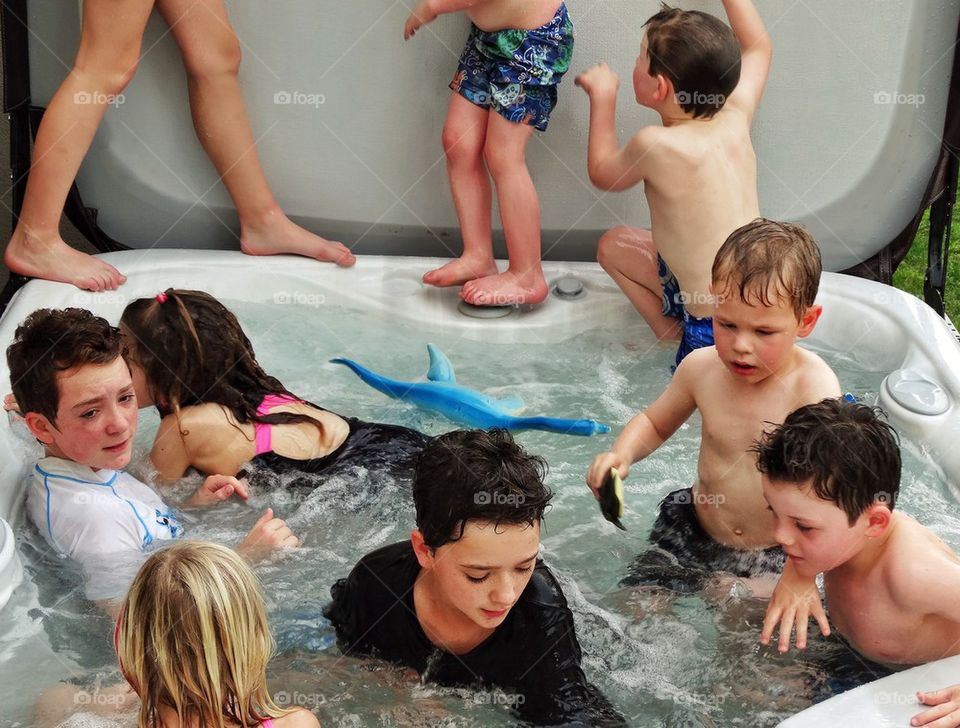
{"x":74,"y":388}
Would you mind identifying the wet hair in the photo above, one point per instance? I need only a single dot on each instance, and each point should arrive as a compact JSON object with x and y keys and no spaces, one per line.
{"x":845,"y":451}
{"x":766,"y":260}
{"x":476,"y":475}
{"x":193,"y":636}
{"x":193,"y":351}
{"x":698,"y":53}
{"x":50,"y":341}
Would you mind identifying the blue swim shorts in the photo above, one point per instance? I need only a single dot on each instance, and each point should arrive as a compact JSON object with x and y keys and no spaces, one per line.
{"x":516,"y":72}
{"x":697,"y":332}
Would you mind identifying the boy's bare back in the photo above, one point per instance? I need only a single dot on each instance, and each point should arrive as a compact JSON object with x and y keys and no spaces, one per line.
{"x":904,"y":608}
{"x":700,"y":180}
{"x":728,"y":494}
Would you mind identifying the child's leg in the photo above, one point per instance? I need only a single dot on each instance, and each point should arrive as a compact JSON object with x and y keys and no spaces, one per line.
{"x":464,"y":134}
{"x":523,"y":281}
{"x":211,"y":56}
{"x":629,"y":255}
{"x":105,"y":63}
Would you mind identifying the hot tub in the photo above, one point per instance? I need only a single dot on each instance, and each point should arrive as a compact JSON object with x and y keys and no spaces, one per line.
{"x":868,"y":326}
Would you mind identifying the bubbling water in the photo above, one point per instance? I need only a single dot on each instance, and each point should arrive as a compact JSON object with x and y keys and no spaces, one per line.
{"x":664,"y":659}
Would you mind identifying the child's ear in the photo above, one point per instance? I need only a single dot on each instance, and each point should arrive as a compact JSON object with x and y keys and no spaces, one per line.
{"x":664,"y":88}
{"x":878,"y":519}
{"x":809,"y":320}
{"x":40,"y":427}
{"x":423,"y":552}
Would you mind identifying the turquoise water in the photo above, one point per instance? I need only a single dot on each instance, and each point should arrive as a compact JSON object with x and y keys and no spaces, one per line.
{"x":663,"y":660}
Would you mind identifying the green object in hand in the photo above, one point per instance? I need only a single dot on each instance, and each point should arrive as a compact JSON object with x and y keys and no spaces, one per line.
{"x":611,"y":499}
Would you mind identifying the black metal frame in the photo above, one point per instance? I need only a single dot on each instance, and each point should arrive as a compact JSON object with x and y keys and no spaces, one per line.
{"x":938,"y":246}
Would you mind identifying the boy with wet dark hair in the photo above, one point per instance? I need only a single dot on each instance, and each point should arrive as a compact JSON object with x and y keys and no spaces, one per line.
{"x":764,"y":280}
{"x":467,"y":600}
{"x":76,"y":394}
{"x":831,"y":477}
{"x":698,"y":169}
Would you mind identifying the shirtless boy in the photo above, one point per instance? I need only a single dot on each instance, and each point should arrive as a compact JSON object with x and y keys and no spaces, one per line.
{"x":831,"y":474}
{"x":504,"y":88}
{"x":765,"y":280}
{"x":698,"y":170}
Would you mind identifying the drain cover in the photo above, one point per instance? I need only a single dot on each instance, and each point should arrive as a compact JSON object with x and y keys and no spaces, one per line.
{"x":916,"y":392}
{"x":484,"y":312}
{"x":568,"y":288}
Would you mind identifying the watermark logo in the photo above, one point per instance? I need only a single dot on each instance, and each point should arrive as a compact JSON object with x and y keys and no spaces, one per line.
{"x":688,"y":497}
{"x":511,"y":700}
{"x":87,"y":98}
{"x":84,"y":697}
{"x":295,"y":699}
{"x":698,"y":98}
{"x":101,"y":298}
{"x":299,"y":98}
{"x":886,"y":98}
{"x":296,"y":298}
{"x":690,"y":700}
{"x":883,"y":497}
{"x":486,"y":498}
{"x":698,"y":298}
{"x":891,"y":698}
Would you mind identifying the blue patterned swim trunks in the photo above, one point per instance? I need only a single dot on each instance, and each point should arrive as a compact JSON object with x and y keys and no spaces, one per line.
{"x":516,"y":72}
{"x":697,"y":332}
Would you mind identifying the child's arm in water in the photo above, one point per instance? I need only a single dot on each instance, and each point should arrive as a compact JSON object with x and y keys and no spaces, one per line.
{"x":427,"y":11}
{"x":793,"y":602}
{"x":610,"y":167}
{"x":650,"y":429}
{"x":756,"y":53}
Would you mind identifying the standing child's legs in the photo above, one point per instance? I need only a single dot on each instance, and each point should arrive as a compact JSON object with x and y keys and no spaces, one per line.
{"x":629,"y":255}
{"x":105,"y":63}
{"x":211,"y":56}
{"x":523,"y":282}
{"x":464,"y":134}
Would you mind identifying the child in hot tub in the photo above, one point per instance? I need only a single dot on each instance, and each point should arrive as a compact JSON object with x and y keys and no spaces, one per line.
{"x":75,"y":391}
{"x":191,"y":359}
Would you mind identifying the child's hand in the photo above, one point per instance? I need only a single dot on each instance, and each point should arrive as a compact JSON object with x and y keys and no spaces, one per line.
{"x":421,"y":15}
{"x":600,"y":467}
{"x":947,"y":712}
{"x":217,"y":488}
{"x":267,"y":534}
{"x":794,"y":601}
{"x":10,"y":404}
{"x":598,"y":81}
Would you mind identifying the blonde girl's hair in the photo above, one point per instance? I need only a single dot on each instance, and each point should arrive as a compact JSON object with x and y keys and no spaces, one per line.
{"x":193,"y":636}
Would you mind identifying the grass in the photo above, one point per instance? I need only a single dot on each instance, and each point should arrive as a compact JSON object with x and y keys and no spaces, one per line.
{"x":909,"y":276}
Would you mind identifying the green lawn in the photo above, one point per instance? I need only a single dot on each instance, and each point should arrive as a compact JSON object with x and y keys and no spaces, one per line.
{"x":909,"y":276}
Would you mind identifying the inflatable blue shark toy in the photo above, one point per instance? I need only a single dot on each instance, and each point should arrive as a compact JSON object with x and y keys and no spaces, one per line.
{"x":442,"y":394}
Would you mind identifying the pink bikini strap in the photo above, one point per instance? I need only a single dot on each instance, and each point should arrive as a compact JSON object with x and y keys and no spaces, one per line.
{"x":266,"y":723}
{"x":263,"y":439}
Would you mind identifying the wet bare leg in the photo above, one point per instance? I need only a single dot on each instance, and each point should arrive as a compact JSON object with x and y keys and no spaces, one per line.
{"x":211,"y":56}
{"x":523,"y":281}
{"x":105,"y":63}
{"x":629,"y":256}
{"x":464,"y":134}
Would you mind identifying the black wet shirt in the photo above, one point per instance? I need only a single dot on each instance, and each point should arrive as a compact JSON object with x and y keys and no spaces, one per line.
{"x":533,"y":656}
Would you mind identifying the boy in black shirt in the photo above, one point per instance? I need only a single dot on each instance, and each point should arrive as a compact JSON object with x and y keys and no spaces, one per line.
{"x":467,"y":601}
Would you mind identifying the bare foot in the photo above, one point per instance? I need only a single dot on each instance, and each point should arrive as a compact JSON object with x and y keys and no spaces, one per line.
{"x":459,"y":271}
{"x":506,"y":289}
{"x":54,"y":260}
{"x":277,"y":234}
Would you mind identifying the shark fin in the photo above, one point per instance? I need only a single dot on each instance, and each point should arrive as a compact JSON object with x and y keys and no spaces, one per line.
{"x":441,"y":370}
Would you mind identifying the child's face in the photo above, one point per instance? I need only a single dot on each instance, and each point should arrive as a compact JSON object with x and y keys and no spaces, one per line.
{"x":644,"y":85}
{"x":96,"y":416}
{"x":484,"y":573}
{"x":756,"y":341}
{"x":815,"y":533}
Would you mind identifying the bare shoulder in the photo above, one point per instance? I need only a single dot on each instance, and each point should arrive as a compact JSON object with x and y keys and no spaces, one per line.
{"x":919,"y":565}
{"x":649,"y":142}
{"x":299,"y":718}
{"x":816,"y":380}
